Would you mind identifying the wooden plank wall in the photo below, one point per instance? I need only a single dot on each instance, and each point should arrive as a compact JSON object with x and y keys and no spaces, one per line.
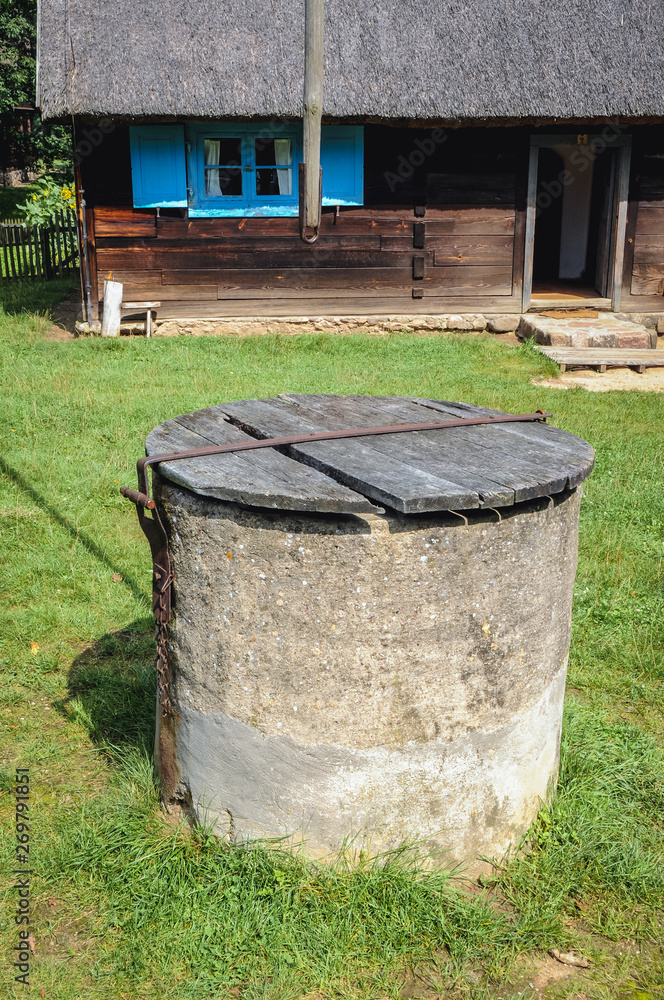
{"x":386,"y":259}
{"x":644,"y":256}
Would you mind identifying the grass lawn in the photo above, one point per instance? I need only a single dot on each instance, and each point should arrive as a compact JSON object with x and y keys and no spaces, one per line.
{"x":126,"y":904}
{"x":11,"y":198}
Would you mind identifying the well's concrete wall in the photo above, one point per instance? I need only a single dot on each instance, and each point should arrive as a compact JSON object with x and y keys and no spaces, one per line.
{"x":386,"y":677}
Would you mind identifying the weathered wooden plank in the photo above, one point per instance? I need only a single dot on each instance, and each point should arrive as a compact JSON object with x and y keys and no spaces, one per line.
{"x":171,"y":293}
{"x":641,"y":303}
{"x":308,"y":276}
{"x":367,"y":224}
{"x":478,"y":457}
{"x":313,"y":305}
{"x":267,"y":479}
{"x":111,"y":221}
{"x":420,"y":449}
{"x":4,"y":269}
{"x":503,"y":464}
{"x":213,"y":258}
{"x":520,"y":226}
{"x":305,"y":278}
{"x":471,"y":280}
{"x":465,"y":250}
{"x":648,"y":249}
{"x":15,"y":258}
{"x":428,"y":450}
{"x":9,"y":246}
{"x":472,"y":220}
{"x":574,"y":451}
{"x":650,"y":218}
{"x":619,"y":357}
{"x":355,"y":462}
{"x":249,"y":244}
{"x":648,"y":279}
{"x":326,"y":282}
{"x":446,"y":469}
{"x":386,"y":291}
{"x":138,"y":277}
{"x":377,"y":224}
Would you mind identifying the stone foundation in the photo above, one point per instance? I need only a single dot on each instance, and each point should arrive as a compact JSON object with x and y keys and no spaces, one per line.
{"x":651,"y":324}
{"x":372,"y":325}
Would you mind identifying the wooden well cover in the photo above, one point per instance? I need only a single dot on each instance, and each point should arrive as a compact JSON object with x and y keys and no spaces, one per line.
{"x":454,"y":468}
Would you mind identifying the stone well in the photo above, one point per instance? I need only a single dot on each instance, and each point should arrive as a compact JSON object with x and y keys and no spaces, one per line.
{"x":370,"y":636}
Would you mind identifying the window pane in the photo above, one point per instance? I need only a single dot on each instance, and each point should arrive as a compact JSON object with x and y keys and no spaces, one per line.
{"x":270,"y":181}
{"x":222,"y":152}
{"x":273,"y":152}
{"x":223,"y":181}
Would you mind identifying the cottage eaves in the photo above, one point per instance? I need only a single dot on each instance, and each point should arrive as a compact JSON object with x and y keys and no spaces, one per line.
{"x":448,"y":61}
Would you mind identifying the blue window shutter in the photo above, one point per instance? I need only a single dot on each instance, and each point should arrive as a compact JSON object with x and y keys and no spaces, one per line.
{"x":342,"y":160}
{"x":158,"y":171}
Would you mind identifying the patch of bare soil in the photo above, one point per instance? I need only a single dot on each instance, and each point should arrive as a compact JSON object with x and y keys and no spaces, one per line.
{"x":59,"y":936}
{"x":64,"y":318}
{"x":571,"y":313}
{"x":541,"y":973}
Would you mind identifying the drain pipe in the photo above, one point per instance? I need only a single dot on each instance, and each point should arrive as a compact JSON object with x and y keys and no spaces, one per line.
{"x":310,"y":170}
{"x":82,"y":234}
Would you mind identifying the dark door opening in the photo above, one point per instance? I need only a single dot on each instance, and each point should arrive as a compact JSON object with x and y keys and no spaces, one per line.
{"x":572,"y":249}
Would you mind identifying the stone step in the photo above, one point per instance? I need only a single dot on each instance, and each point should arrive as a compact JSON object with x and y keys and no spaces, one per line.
{"x":605,"y":331}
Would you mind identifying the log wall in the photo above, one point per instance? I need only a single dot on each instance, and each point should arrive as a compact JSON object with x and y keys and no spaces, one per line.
{"x":643,"y":280}
{"x":380,"y":259}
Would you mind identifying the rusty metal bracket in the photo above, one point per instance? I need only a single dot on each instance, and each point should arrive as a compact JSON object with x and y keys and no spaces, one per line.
{"x":153,"y":527}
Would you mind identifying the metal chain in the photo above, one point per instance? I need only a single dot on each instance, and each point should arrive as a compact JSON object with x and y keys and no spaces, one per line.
{"x":163,"y":671}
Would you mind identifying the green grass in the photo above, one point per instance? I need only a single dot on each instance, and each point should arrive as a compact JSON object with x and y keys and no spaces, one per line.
{"x":128,"y":905}
{"x":11,"y":198}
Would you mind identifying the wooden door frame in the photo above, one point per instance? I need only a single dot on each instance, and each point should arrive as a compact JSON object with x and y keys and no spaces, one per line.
{"x":623,"y":146}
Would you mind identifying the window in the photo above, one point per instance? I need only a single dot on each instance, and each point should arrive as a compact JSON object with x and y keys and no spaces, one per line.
{"x":243,"y":169}
{"x":240,"y":169}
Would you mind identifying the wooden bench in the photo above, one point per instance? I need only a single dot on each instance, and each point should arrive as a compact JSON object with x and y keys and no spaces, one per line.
{"x":602,"y":358}
{"x":140,"y":307}
{"x":114,"y":306}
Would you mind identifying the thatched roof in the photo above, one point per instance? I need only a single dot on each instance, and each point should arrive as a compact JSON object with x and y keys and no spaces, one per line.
{"x":448,"y":60}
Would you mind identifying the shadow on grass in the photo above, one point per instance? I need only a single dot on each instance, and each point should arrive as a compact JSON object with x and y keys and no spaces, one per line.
{"x":112,"y":688}
{"x":75,"y":533}
{"x":38,"y":295}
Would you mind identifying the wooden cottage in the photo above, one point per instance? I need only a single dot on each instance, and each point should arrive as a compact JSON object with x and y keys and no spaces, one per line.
{"x":476,"y":157}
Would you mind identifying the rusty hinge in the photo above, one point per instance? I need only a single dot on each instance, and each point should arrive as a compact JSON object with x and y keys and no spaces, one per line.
{"x":153,"y":527}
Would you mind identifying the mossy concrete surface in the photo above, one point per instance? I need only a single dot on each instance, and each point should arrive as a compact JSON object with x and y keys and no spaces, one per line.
{"x":384,"y":677}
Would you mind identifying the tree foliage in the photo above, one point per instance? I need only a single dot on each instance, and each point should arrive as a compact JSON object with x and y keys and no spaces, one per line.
{"x":41,"y":144}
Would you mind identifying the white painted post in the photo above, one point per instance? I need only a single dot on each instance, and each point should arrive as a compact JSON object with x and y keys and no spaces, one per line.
{"x":110,"y":322}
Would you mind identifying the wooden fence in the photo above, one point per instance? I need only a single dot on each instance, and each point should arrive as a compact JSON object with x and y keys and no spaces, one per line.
{"x":46,"y":251}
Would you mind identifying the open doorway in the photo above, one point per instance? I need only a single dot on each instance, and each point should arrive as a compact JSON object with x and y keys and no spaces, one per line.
{"x":572,"y":251}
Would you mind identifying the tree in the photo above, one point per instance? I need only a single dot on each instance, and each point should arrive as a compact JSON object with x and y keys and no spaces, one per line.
{"x":24,"y":139}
